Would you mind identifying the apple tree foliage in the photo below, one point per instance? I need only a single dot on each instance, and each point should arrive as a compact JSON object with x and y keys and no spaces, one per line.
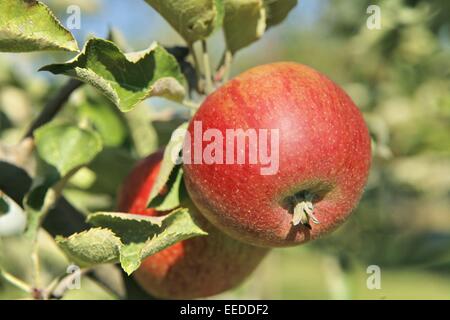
{"x":75,"y":141}
{"x":58,"y":185}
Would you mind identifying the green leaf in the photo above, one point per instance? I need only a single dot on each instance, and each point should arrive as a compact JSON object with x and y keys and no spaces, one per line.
{"x":125,"y":79}
{"x":142,"y":236}
{"x":12,"y":218}
{"x":110,"y":167}
{"x":175,"y":227}
{"x":91,"y":247}
{"x":34,"y":203}
{"x":168,"y":164}
{"x":130,"y":257}
{"x":107,"y":121}
{"x":278,"y":10}
{"x":142,"y":131}
{"x":128,"y":238}
{"x":67,"y":147}
{"x":192,"y":19}
{"x":131,"y":228}
{"x":171,"y":200}
{"x":244,"y":22}
{"x":39,"y":195}
{"x":165,"y":128}
{"x":29,"y":25}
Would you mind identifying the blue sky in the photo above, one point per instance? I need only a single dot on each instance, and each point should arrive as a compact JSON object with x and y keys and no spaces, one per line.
{"x":142,"y":25}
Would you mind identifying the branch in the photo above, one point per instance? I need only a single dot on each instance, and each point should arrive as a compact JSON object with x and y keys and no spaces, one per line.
{"x":223,"y":70}
{"x":15,"y":281}
{"x":207,"y":68}
{"x":53,"y":106}
{"x":64,"y":220}
{"x":57,"y":289}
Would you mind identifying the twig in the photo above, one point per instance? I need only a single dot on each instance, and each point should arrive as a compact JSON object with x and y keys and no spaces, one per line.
{"x":198,"y":70}
{"x":223,"y":69}
{"x":227,"y":65}
{"x":190,"y":104}
{"x":62,"y":219}
{"x":15,"y":281}
{"x":50,"y":201}
{"x":207,"y":68}
{"x":54,"y":105}
{"x":35,"y":262}
{"x":58,"y":290}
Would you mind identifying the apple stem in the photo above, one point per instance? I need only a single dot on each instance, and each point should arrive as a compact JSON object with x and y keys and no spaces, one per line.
{"x":304,"y":210}
{"x":207,"y":68}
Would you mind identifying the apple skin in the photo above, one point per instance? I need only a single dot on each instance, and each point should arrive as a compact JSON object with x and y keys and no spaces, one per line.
{"x":194,"y":268}
{"x":324,"y":148}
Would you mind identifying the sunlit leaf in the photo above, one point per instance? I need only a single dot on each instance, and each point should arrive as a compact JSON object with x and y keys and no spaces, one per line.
{"x":192,"y":19}
{"x":171,"y":199}
{"x":168,"y":164}
{"x":88,"y":248}
{"x":29,"y":25}
{"x":128,"y":238}
{"x":244,"y":22}
{"x":107,"y":121}
{"x":278,"y":10}
{"x":125,"y":79}
{"x":67,"y":147}
{"x":142,"y":131}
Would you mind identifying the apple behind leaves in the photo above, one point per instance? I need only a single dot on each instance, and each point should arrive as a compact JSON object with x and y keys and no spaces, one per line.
{"x":323,"y":164}
{"x":197,"y":267}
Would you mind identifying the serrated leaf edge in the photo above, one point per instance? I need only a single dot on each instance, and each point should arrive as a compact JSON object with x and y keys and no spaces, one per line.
{"x":103,"y":84}
{"x":74,"y":45}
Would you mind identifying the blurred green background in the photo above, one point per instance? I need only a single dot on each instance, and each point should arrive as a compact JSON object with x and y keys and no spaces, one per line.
{"x":398,"y":75}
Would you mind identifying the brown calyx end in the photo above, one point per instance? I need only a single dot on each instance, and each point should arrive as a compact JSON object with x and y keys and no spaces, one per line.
{"x":301,"y":207}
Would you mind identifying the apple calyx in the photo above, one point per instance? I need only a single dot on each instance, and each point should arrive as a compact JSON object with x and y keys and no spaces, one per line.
{"x":304,"y":210}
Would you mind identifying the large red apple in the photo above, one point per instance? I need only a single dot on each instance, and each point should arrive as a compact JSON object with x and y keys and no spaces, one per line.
{"x":197,"y":267}
{"x":323,"y":150}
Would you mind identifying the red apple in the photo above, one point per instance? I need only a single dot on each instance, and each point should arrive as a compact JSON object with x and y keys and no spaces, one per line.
{"x":197,"y":267}
{"x":323,"y":156}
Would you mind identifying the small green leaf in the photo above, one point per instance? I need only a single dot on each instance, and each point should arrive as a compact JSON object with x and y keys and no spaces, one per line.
{"x":192,"y":19}
{"x":130,"y":257}
{"x":29,"y":25}
{"x":131,"y":228}
{"x":128,"y":238}
{"x":278,"y":10}
{"x":142,"y":236}
{"x":33,"y":203}
{"x":142,"y":131}
{"x":91,"y":247}
{"x":175,"y":227}
{"x":67,"y":147}
{"x":110,"y":168}
{"x":171,"y":200}
{"x":168,"y":164}
{"x":106,"y":119}
{"x":39,"y":195}
{"x":244,"y":22}
{"x":125,"y":79}
{"x":12,"y":217}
